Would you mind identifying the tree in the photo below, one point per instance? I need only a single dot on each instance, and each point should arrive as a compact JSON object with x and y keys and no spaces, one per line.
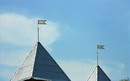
{"x":125,"y":79}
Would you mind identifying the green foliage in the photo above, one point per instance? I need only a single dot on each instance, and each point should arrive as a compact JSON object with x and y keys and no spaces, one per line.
{"x":125,"y":79}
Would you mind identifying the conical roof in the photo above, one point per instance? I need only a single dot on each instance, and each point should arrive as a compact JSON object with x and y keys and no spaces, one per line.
{"x":98,"y":75}
{"x":39,"y":65}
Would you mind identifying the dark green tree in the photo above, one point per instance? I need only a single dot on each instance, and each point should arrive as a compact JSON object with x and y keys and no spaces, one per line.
{"x":125,"y":79}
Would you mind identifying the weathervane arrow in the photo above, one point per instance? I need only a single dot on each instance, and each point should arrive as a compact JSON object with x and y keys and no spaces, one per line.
{"x":40,"y":22}
{"x":99,"y":47}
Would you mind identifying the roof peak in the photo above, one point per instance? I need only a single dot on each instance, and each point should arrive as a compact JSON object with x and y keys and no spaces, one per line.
{"x":98,"y":75}
{"x":40,"y":64}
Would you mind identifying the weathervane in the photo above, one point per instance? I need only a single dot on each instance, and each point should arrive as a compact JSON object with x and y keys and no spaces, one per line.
{"x":99,"y":47}
{"x":40,"y":22}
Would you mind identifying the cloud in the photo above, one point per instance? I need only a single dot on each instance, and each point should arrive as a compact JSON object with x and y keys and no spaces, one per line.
{"x":77,"y":70}
{"x":81,"y":69}
{"x":116,"y":70}
{"x":22,"y":30}
{"x":6,"y":72}
{"x":12,"y":58}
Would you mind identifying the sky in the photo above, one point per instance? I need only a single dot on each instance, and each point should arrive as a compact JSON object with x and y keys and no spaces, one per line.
{"x":74,"y":29}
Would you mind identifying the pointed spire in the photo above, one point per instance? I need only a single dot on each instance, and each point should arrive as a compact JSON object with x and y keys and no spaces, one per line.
{"x":102,"y":75}
{"x":39,"y":65}
{"x":98,"y":75}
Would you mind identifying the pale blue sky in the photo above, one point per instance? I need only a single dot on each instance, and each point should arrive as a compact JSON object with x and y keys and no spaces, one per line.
{"x":79,"y":26}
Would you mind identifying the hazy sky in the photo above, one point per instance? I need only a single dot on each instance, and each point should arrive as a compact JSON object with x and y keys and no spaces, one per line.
{"x":74,"y":28}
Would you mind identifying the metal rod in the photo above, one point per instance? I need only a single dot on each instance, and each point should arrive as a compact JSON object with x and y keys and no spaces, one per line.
{"x":38,"y":33}
{"x":97,"y":58}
